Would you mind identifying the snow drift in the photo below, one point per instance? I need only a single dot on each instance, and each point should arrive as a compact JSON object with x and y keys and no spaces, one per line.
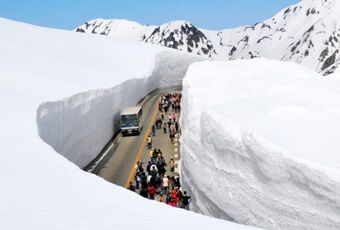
{"x":68,"y":88}
{"x":260,"y":144}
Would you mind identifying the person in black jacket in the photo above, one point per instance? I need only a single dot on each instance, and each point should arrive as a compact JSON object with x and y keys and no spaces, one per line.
{"x":131,"y":187}
{"x":185,"y":200}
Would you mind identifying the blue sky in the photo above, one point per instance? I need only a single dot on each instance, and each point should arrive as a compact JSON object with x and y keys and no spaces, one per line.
{"x":209,"y":14}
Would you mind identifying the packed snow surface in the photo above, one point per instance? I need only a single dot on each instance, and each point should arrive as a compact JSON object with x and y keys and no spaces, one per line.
{"x":260,"y":144}
{"x":67,"y":89}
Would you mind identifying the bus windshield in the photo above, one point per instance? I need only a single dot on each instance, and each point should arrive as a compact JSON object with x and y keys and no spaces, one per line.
{"x":129,"y":120}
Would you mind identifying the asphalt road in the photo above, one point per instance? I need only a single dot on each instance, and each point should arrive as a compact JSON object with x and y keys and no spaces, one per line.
{"x":115,"y":163}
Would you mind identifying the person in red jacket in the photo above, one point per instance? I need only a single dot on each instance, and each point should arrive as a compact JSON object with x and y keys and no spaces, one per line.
{"x":151,"y":191}
{"x":179,"y":197}
{"x":173,"y":197}
{"x":171,"y":202}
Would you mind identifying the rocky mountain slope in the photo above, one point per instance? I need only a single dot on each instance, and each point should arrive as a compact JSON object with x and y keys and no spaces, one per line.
{"x":307,"y":33}
{"x":179,"y":35}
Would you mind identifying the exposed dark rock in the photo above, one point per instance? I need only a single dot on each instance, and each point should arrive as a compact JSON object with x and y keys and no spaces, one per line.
{"x":309,"y":30}
{"x":310,"y":45}
{"x":204,"y":50}
{"x":323,"y":54}
{"x":171,"y":42}
{"x":232,"y":51}
{"x":80,"y":30}
{"x":306,"y":53}
{"x":260,"y":40}
{"x":187,"y":34}
{"x":252,"y":56}
{"x":311,"y":11}
{"x":249,"y":27}
{"x":329,"y":61}
{"x":286,"y":12}
{"x":331,"y":41}
{"x":244,"y":39}
{"x":87,"y":25}
{"x":265,"y":25}
{"x":295,"y":46}
{"x":155,"y":31}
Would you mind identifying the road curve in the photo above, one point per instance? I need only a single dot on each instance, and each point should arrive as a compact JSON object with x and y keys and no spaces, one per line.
{"x":117,"y":160}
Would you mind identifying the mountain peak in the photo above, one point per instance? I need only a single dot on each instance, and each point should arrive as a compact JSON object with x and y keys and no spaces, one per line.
{"x":307,"y":33}
{"x":181,"y":35}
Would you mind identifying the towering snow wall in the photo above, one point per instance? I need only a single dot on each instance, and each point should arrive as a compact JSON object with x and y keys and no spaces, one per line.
{"x":79,"y":126}
{"x":260,"y":144}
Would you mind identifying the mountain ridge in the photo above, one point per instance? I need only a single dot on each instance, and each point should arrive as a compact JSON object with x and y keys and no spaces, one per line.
{"x":307,"y":33}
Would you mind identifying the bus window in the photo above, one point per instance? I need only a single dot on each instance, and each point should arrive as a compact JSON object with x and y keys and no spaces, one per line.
{"x":129,"y":120}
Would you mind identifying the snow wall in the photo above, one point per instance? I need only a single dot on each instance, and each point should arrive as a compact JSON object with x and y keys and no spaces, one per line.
{"x":71,"y":74}
{"x":261,"y":147}
{"x":80,"y":126}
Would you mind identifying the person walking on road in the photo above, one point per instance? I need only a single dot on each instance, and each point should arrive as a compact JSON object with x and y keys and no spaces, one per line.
{"x":179,"y":196}
{"x":148,"y":166}
{"x":138,"y":178}
{"x":149,"y":141}
{"x":131,"y":187}
{"x":165,"y":184}
{"x":153,"y":170}
{"x":151,"y":191}
{"x":174,"y":116}
{"x":164,"y":127}
{"x":185,"y":200}
{"x":154,"y":156}
{"x":144,"y":192}
{"x":143,"y":180}
{"x":170,"y":117}
{"x":153,"y":130}
{"x":172,"y":136}
{"x":172,"y":128}
{"x":171,"y":202}
{"x":172,"y":164}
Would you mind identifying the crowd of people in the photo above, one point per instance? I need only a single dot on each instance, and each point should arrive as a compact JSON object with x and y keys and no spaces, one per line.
{"x":152,"y":182}
{"x":169,"y":106}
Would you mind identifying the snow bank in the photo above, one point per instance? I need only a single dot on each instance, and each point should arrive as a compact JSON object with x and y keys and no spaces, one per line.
{"x":68,"y":88}
{"x":260,"y":144}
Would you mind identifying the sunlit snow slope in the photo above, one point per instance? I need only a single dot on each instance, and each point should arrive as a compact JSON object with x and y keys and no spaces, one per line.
{"x":68,"y":88}
{"x":260,"y":144}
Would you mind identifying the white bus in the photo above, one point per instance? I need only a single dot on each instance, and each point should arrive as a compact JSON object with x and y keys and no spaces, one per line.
{"x":131,"y":120}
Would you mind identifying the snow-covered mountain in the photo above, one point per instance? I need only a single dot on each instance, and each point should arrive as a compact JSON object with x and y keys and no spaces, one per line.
{"x":307,"y":33}
{"x":179,"y":35}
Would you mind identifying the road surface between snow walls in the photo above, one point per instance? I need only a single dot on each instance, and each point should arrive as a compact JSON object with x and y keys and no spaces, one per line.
{"x":40,"y":70}
{"x":260,"y":144}
{"x":116,"y":163}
